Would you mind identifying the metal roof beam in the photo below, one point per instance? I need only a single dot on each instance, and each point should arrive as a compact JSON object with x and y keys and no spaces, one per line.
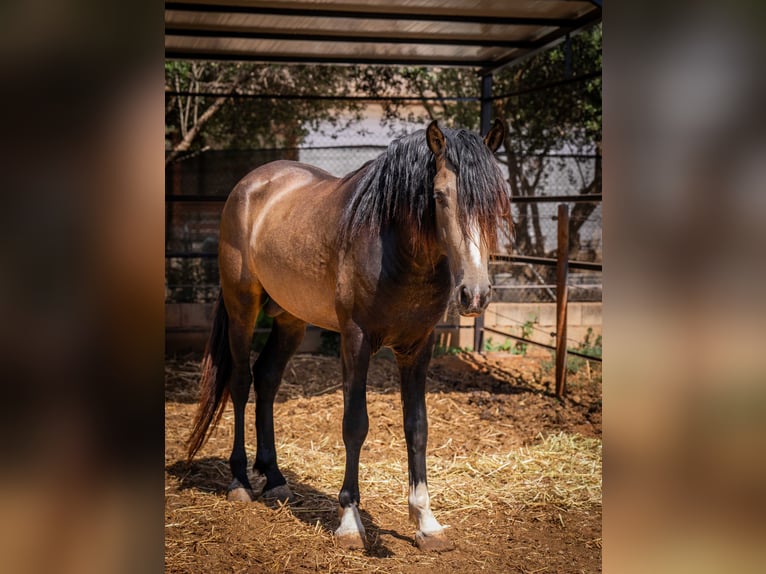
{"x":368,"y":39}
{"x":362,"y":15}
{"x":184,"y":54}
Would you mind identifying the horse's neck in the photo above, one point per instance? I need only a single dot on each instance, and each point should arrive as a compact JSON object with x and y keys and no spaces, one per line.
{"x":418,"y":259}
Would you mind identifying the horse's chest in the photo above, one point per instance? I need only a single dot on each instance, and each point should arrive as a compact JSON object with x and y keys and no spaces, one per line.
{"x":395,"y":296}
{"x":411,"y":308}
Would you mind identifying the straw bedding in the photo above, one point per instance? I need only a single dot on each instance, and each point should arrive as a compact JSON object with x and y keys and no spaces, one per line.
{"x":514,"y":473}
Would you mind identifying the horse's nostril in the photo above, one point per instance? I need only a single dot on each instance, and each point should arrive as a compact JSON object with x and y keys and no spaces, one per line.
{"x":465,"y":296}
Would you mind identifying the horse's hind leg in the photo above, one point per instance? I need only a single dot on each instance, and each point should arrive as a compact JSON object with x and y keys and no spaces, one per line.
{"x":243,"y":310}
{"x":285,"y":338}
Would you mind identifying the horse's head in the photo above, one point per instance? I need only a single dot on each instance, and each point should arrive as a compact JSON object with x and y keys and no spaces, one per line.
{"x":467,"y":253}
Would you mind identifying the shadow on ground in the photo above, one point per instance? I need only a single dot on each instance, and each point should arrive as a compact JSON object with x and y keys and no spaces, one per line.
{"x":315,"y":375}
{"x":211,"y":475}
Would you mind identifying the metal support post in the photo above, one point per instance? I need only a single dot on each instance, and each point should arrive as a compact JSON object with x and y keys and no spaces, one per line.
{"x":485,"y":122}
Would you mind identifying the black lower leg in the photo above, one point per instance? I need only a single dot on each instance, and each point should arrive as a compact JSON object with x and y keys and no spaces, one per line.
{"x":355,"y":359}
{"x":239,"y":388}
{"x":413,"y":370}
{"x":266,"y":455}
{"x":285,"y":338}
{"x":355,"y":426}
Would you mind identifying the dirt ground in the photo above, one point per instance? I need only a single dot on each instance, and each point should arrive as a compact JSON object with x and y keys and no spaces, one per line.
{"x":513,"y":472}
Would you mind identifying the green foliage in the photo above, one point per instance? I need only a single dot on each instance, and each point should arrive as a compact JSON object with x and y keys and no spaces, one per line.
{"x":442,"y":350}
{"x":539,"y":121}
{"x":490,"y":346}
{"x":564,"y":115}
{"x":595,"y":348}
{"x":526,"y":332}
{"x":248,"y":123}
{"x":588,"y":346}
{"x":510,"y":345}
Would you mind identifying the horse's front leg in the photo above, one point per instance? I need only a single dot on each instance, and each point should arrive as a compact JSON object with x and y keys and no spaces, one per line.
{"x":355,"y":358}
{"x":413,"y":369}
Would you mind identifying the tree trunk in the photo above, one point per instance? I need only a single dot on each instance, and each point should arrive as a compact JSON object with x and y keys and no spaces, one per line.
{"x":185,"y":144}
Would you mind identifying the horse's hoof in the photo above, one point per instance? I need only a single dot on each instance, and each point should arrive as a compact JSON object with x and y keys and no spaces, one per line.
{"x":436,"y":542}
{"x":238,"y":493}
{"x":281,"y":493}
{"x":350,"y":541}
{"x":350,"y":534}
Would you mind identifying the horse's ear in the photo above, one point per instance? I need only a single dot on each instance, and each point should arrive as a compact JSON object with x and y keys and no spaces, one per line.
{"x":435,"y":139}
{"x":495,"y":136}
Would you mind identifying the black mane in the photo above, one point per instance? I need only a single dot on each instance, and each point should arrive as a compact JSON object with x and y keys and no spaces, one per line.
{"x":396,"y":188}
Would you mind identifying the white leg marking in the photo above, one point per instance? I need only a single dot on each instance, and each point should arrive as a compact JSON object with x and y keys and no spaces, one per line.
{"x":420,"y":510}
{"x":350,"y":522}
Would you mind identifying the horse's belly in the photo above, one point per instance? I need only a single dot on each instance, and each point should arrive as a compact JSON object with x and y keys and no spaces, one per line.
{"x":303,"y":287}
{"x":304,"y":301}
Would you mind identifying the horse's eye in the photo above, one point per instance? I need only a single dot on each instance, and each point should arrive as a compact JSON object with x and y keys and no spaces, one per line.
{"x":440,"y":197}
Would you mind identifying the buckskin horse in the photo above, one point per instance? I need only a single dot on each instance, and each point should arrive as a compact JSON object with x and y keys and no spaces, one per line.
{"x":377,"y":256}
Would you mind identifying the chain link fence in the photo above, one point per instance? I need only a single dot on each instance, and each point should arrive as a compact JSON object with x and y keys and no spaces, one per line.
{"x":535,"y":231}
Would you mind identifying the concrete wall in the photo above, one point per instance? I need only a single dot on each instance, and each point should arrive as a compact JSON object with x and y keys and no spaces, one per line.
{"x":510,"y":318}
{"x":187,"y":325}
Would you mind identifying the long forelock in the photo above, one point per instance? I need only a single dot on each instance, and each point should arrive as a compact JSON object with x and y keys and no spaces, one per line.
{"x":397,"y":189}
{"x":483,"y":194}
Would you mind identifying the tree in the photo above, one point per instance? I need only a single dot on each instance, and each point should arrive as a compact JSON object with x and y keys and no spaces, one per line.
{"x":204,"y":108}
{"x":187,"y":110}
{"x":564,"y":117}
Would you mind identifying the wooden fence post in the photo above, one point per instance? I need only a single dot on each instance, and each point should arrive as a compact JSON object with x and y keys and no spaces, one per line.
{"x":562,"y":270}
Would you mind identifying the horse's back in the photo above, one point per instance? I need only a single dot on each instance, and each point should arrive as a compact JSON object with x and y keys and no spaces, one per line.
{"x":278,"y":176}
{"x":286,"y":167}
{"x":264,"y":187}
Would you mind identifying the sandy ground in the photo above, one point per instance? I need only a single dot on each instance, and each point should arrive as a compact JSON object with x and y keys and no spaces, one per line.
{"x":513,"y":471}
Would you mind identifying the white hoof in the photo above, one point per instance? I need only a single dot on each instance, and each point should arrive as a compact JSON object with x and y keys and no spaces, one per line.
{"x":350,"y":534}
{"x":433,"y":542}
{"x":350,"y":541}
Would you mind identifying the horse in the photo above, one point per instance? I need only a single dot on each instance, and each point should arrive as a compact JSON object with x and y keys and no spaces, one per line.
{"x":377,"y":255}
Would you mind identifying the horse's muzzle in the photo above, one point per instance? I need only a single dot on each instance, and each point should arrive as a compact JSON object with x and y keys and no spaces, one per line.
{"x":471,"y":301}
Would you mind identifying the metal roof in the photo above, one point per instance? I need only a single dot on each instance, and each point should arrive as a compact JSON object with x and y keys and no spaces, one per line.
{"x":487,"y":34}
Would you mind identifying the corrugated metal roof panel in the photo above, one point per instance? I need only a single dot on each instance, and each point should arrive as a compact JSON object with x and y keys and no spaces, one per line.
{"x":482,"y":33}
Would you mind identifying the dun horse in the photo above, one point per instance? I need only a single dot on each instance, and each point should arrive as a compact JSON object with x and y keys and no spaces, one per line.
{"x":377,"y":256}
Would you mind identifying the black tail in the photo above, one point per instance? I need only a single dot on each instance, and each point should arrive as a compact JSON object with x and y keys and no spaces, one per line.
{"x":214,"y":391}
